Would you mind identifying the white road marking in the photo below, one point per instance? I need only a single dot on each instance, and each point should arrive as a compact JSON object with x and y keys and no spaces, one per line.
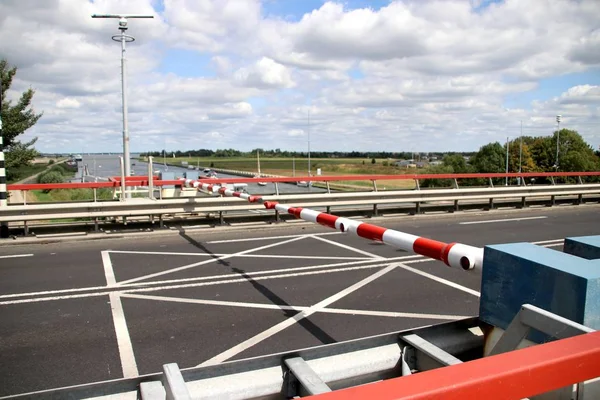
{"x":389,"y":314}
{"x":17,"y":256}
{"x":552,"y":245}
{"x":108,"y":268}
{"x":204,"y":278}
{"x":241,"y":255}
{"x":128,"y":281}
{"x":292,"y":320}
{"x":436,"y":278}
{"x":490,"y":221}
{"x":126,"y":354}
{"x":270,"y":238}
{"x":188,"y":285}
{"x":344,"y":246}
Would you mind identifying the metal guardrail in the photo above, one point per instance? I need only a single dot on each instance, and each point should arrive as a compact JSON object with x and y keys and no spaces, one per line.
{"x":405,"y":360}
{"x":148,"y":207}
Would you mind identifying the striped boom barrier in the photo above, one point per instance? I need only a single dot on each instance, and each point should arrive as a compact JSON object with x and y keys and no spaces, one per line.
{"x":455,"y":255}
{"x":4,"y":233}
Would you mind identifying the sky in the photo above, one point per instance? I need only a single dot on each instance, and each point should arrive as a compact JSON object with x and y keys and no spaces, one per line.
{"x":357,"y":75}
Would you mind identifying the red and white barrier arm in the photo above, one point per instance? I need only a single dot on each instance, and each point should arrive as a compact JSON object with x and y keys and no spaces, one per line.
{"x":452,"y":254}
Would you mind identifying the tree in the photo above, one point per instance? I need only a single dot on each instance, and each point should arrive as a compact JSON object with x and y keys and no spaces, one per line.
{"x":457,"y":164}
{"x":490,"y":158}
{"x":16,"y":119}
{"x":373,"y":161}
{"x":527,"y":162}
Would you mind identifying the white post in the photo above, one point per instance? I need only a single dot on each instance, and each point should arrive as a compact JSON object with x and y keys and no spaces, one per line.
{"x":150,"y":179}
{"x":506,"y":182}
{"x":123,"y":187}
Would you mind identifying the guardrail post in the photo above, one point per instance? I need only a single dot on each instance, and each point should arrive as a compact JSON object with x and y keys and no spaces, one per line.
{"x":96,"y":229}
{"x":579,"y":199}
{"x":523,"y":202}
{"x":552,"y":200}
{"x":491,"y":204}
{"x":418,"y":207}
{"x":25,"y":228}
{"x":456,"y":208}
{"x":375,"y":213}
{"x":161,"y":222}
{"x":123,"y":187}
{"x":150,"y":178}
{"x":328,"y":209}
{"x":277,"y":217}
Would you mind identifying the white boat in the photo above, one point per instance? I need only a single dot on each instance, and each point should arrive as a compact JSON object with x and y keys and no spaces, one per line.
{"x":260,"y":183}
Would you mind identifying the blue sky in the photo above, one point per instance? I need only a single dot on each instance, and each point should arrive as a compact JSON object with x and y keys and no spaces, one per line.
{"x":245,"y":73}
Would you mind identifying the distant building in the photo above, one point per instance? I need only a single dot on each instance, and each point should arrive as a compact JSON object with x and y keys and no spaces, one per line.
{"x":436,"y":162}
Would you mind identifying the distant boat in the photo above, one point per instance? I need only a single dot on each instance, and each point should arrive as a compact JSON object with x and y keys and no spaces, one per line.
{"x":78,"y":158}
{"x":258,"y":175}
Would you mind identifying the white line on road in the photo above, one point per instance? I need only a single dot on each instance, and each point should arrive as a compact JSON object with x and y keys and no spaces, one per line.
{"x":205,"y":278}
{"x":549,"y":241}
{"x":389,"y":314}
{"x":159,"y":253}
{"x":128,"y":281}
{"x":344,"y":246}
{"x":292,"y":320}
{"x":270,"y":238}
{"x":126,"y":354}
{"x":436,"y":278}
{"x":490,"y":221}
{"x":108,"y":268}
{"x":17,"y":256}
{"x":188,"y":285}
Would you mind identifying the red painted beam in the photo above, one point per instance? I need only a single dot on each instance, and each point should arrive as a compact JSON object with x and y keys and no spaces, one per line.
{"x":143,"y":181}
{"x":512,"y":375}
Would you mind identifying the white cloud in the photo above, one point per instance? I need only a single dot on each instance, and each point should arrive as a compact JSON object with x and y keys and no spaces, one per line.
{"x":426,"y":75}
{"x":68,"y":102}
{"x":265,"y":73}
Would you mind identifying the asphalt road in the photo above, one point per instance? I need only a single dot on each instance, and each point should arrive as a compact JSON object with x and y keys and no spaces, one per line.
{"x":82,"y":311}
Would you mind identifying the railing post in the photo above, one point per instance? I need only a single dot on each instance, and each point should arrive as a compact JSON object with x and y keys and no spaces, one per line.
{"x":150,"y":178}
{"x":95,"y":196}
{"x":417,"y":184}
{"x":277,"y":188}
{"x":374,"y":185}
{"x":328,"y":187}
{"x":24,"y":195}
{"x":491,"y":182}
{"x":123,"y":187}
{"x":456,"y":184}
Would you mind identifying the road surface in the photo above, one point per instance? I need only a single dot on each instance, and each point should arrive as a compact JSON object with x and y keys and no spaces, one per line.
{"x":79,"y":312}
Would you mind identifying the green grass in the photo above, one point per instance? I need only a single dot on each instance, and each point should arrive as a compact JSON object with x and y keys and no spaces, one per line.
{"x":62,"y":195}
{"x":17,"y":174}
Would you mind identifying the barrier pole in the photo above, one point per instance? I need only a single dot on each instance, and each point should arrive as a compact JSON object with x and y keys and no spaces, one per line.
{"x":4,"y":233}
{"x":455,"y":255}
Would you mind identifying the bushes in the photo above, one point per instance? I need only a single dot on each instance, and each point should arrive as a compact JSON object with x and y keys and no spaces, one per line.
{"x":57,"y":174}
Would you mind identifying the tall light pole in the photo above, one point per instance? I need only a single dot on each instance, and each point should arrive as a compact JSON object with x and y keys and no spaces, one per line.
{"x":557,"y":140}
{"x":123,"y":38}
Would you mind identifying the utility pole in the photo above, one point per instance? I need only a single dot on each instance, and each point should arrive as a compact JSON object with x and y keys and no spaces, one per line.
{"x":123,"y":38}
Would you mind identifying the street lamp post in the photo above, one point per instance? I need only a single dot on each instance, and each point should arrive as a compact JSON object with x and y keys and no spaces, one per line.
{"x":123,"y":38}
{"x":557,"y":140}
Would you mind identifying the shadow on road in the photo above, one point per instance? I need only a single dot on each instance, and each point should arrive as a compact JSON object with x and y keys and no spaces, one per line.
{"x":200,"y":246}
{"x":310,"y":327}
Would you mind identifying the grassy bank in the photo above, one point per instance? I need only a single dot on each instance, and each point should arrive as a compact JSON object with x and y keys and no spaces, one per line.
{"x":18,"y":174}
{"x":62,"y":195}
{"x":328,"y":166}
